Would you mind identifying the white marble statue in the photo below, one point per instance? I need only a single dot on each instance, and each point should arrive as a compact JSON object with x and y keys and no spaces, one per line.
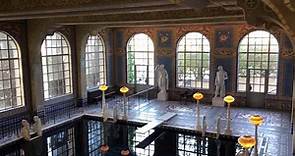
{"x":37,"y":125}
{"x":220,"y":78}
{"x":25,"y":130}
{"x":162,"y":82}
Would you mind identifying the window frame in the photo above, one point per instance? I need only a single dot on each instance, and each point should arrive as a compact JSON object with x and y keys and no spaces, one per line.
{"x":148,"y":52}
{"x":21,"y":75}
{"x":268,"y":62}
{"x":70,"y":70}
{"x":104,"y":61}
{"x":209,"y":61}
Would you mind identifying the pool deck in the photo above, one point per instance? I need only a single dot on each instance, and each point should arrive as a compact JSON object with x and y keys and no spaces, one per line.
{"x":275,"y":137}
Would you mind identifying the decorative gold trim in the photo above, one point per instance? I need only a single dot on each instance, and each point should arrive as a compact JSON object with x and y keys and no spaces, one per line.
{"x":164,"y":52}
{"x":288,"y":53}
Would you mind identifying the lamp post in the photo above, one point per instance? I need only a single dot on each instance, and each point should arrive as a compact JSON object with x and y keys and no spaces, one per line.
{"x":104,"y":106}
{"x":198,"y":96}
{"x":246,"y":142}
{"x":256,"y":120}
{"x":125,"y":90}
{"x":228,"y":99}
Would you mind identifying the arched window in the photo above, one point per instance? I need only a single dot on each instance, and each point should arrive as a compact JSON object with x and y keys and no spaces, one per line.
{"x":258,"y":63}
{"x":11,"y":82}
{"x":193,"y":61}
{"x":95,"y":61}
{"x":140,"y":60}
{"x":56,"y":66}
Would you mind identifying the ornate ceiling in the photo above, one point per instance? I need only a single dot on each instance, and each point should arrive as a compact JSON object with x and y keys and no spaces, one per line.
{"x":140,"y":12}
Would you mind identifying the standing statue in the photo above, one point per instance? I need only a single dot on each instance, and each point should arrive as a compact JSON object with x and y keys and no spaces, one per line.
{"x":162,"y":82}
{"x":220,"y":78}
{"x":37,"y":125}
{"x":25,"y":130}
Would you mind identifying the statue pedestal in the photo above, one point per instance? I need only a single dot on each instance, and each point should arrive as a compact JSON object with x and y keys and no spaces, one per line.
{"x":218,"y":101}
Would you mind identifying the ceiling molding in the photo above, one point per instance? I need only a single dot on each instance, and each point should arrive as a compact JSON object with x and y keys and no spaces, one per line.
{"x":37,"y":15}
{"x":290,"y":4}
{"x":163,"y":22}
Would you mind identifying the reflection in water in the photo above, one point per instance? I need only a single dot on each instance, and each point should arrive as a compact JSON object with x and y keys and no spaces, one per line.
{"x":121,"y":137}
{"x":189,"y":145}
{"x":86,"y":136}
{"x":95,"y":136}
{"x":134,"y":138}
{"x":61,"y":143}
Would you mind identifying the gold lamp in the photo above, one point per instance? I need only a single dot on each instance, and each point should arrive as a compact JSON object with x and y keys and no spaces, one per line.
{"x":125,"y":90}
{"x":256,"y":120}
{"x":103,"y":87}
{"x":229,"y":100}
{"x":198,"y":96}
{"x":247,"y":141}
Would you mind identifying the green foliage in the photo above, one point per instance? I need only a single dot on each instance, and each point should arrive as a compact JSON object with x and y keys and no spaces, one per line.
{"x":131,"y":64}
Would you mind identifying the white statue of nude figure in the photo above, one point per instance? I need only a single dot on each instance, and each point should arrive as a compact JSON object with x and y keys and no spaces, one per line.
{"x":162,"y":82}
{"x":220,"y":78}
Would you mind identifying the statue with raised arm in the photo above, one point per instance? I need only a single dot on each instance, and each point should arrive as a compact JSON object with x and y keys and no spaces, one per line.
{"x":162,"y":82}
{"x":220,"y":78}
{"x":37,"y":125}
{"x":25,"y":130}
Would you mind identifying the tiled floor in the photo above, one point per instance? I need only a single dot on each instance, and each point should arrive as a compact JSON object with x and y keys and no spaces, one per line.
{"x":274,"y":133}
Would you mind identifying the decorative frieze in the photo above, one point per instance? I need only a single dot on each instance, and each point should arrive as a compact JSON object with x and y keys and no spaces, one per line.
{"x":288,"y":53}
{"x":164,"y":52}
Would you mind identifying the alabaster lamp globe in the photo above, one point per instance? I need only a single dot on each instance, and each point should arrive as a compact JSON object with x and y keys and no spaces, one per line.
{"x":229,"y":99}
{"x":256,"y":120}
{"x":198,"y":96}
{"x":124,"y":90}
{"x":125,"y":152}
{"x":247,"y":141}
{"x":104,"y":148}
{"x":103,"y":87}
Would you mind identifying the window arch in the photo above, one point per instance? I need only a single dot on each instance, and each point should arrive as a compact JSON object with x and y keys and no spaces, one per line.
{"x":11,"y":81}
{"x":95,"y":61}
{"x":140,"y":60}
{"x":193,"y":61}
{"x":56,"y":66}
{"x":258,"y":62}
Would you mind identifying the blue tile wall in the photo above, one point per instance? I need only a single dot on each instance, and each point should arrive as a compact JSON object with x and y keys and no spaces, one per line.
{"x":119,"y":39}
{"x":288,"y":77}
{"x":110,"y":69}
{"x":120,"y":64}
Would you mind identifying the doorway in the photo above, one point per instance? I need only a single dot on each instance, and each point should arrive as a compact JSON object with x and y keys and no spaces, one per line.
{"x":256,"y":87}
